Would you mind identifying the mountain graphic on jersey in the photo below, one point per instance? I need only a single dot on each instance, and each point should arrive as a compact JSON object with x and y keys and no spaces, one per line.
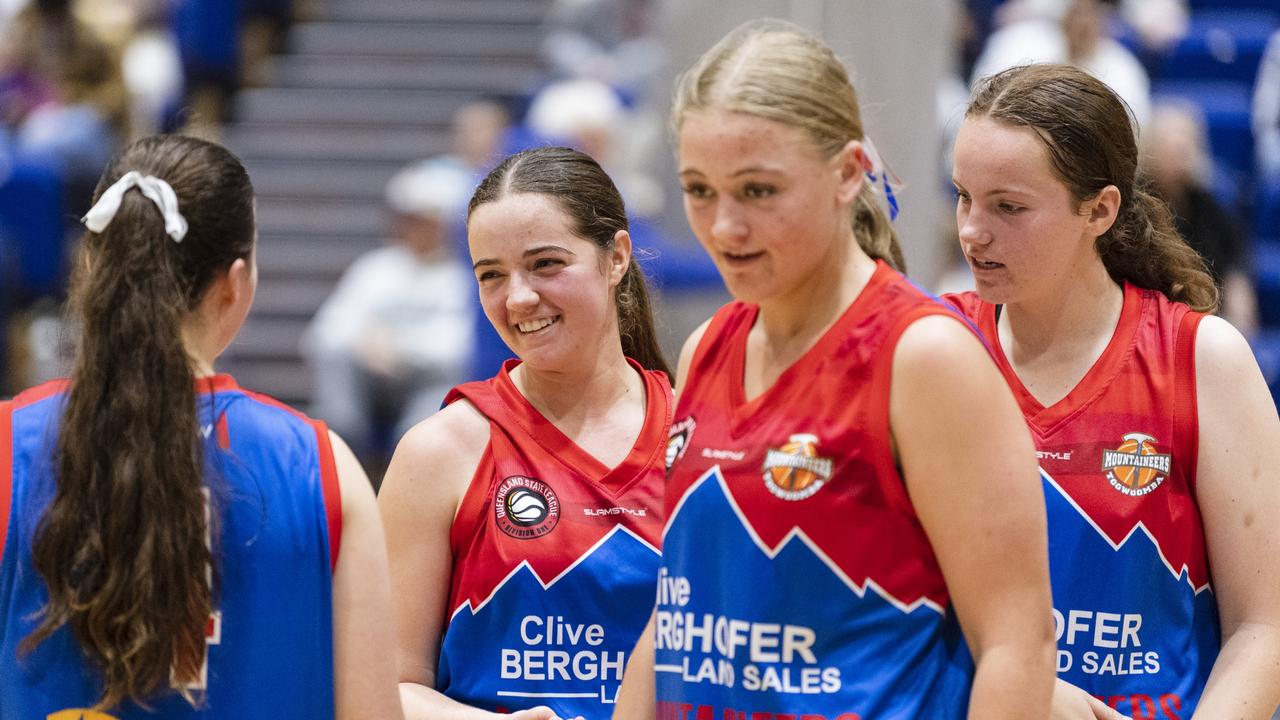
{"x":511,"y":652}
{"x":783,"y":630}
{"x":1132,"y":626}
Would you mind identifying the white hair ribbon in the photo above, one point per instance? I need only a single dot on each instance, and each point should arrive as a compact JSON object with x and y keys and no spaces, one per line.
{"x":882,"y":177}
{"x":157,"y":190}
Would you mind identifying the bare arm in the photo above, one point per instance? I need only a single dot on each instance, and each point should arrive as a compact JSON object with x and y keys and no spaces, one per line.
{"x":970,"y":468}
{"x":364,"y":674}
{"x":637,"y":698}
{"x":1239,"y":497}
{"x":429,"y":473}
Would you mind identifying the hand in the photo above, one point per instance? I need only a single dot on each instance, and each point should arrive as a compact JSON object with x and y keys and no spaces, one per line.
{"x":1072,"y":703}
{"x":542,"y":712}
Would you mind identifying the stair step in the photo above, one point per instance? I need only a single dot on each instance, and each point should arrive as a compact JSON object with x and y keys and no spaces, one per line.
{"x":266,"y":336}
{"x":321,"y":179}
{"x":303,"y":105}
{"x":495,"y":76}
{"x":299,"y":142}
{"x":297,"y":297}
{"x":319,"y":257}
{"x":321,"y":218}
{"x":416,"y":40}
{"x":440,"y":11}
{"x":288,"y":381}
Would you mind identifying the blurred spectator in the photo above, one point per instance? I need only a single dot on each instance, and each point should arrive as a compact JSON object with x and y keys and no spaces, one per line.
{"x":606,"y":40}
{"x":61,"y":92}
{"x":1266,"y":112}
{"x":587,"y":115}
{"x":396,"y":333}
{"x":1178,"y":163}
{"x":1079,"y":36}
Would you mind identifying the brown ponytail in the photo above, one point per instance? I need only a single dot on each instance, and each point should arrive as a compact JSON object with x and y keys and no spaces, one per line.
{"x":589,"y":197}
{"x":776,"y":70}
{"x":124,"y":548}
{"x":1089,"y":137}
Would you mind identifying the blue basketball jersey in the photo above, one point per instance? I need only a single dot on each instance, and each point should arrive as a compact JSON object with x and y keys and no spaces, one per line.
{"x":275,"y":502}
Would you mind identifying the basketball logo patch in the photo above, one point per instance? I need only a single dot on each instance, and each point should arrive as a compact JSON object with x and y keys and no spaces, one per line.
{"x":678,"y":440}
{"x":794,"y":471}
{"x":1136,"y":467}
{"x":526,"y":508}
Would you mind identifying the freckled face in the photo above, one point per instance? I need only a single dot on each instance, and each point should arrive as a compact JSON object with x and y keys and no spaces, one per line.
{"x":762,"y":200}
{"x":1021,"y":231}
{"x":548,"y":292}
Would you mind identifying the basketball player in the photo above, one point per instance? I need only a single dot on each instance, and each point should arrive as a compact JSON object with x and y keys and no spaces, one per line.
{"x":1158,"y":441}
{"x":850,"y":477}
{"x":176,"y":546}
{"x":524,"y":518}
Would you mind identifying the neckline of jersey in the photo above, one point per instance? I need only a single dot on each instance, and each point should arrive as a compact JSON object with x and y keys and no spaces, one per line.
{"x":1096,"y":379}
{"x":614,"y":480}
{"x":743,"y":409}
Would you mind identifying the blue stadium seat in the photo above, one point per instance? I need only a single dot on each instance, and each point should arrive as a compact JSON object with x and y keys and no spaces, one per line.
{"x":32,"y":219}
{"x":1266,"y":263}
{"x":1221,"y":45}
{"x":1226,"y":107}
{"x":1267,"y":211}
{"x":1199,"y":5}
{"x":208,"y":33}
{"x":1266,"y":348}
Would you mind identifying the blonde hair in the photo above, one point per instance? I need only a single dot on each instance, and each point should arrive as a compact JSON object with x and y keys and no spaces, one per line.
{"x":777,"y":71}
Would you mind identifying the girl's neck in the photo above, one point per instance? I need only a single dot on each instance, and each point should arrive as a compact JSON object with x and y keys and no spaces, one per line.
{"x":591,"y":389}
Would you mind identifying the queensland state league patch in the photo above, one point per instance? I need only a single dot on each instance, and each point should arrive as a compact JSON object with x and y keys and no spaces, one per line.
{"x":1136,"y":467}
{"x":794,"y":471}
{"x":526,"y":508}
{"x":678,"y":440}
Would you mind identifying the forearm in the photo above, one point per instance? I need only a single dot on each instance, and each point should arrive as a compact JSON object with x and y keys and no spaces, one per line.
{"x":423,"y":703}
{"x":1245,"y":681}
{"x":1012,"y":681}
{"x":637,"y":696}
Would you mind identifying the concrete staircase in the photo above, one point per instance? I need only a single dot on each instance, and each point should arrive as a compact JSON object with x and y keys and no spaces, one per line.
{"x":363,"y":91}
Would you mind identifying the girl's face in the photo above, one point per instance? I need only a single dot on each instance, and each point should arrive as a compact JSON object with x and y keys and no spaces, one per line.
{"x":548,"y":292}
{"x":1021,"y":231}
{"x":764,"y":202}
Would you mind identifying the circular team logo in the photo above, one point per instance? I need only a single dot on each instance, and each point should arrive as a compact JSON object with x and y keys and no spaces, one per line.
{"x":1136,"y":467}
{"x":526,"y":508}
{"x":678,"y":440}
{"x":795,"y":471}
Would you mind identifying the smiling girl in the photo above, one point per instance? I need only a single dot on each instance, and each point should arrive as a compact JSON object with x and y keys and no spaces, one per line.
{"x":523,"y":519}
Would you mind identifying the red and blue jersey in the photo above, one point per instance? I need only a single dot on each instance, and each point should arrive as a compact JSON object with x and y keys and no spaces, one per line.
{"x":797,"y":580}
{"x":554,"y":559}
{"x":274,"y":494}
{"x":1134,"y":610}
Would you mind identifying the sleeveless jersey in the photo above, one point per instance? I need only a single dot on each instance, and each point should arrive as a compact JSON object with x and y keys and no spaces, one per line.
{"x":1134,"y":613}
{"x":554,"y":559}
{"x":797,"y":580}
{"x":274,"y":496}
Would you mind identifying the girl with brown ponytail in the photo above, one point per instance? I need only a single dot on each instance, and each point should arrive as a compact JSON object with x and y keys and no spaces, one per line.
{"x":524,"y":519}
{"x":175,"y":546}
{"x":1158,"y":440}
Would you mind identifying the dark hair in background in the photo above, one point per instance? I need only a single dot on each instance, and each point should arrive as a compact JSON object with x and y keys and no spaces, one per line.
{"x":589,"y":197}
{"x":123,"y":547}
{"x":1087,"y":131}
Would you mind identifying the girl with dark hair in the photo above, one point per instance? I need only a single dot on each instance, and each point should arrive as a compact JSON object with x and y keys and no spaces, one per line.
{"x":524,"y":518}
{"x":852,"y":495}
{"x":1158,"y":440}
{"x":177,"y":546}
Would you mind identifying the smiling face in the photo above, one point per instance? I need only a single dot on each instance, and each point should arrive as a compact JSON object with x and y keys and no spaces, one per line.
{"x":765,"y":203}
{"x":1021,"y":231}
{"x":548,"y":292}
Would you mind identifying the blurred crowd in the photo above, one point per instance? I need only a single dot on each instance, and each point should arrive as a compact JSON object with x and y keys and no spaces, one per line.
{"x":402,"y":326}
